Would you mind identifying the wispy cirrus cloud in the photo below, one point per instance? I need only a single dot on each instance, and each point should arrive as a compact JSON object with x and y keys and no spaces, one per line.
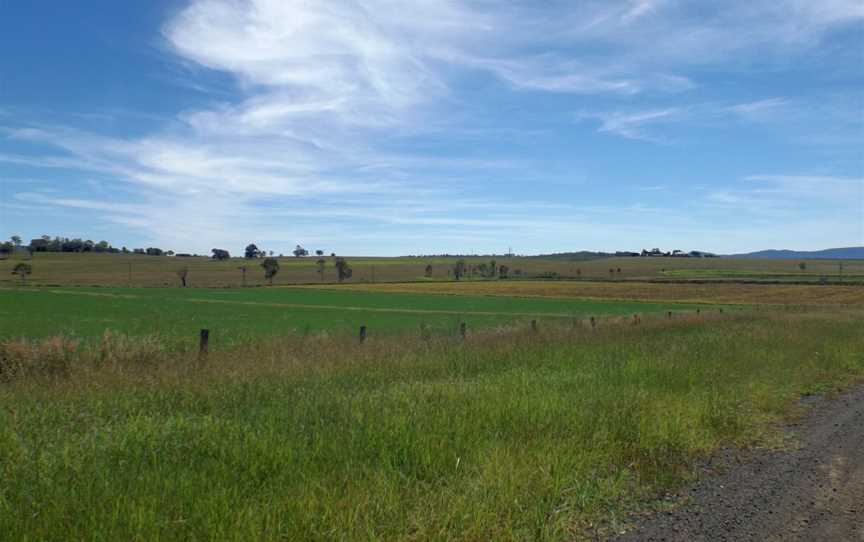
{"x":632,"y":125}
{"x":794,"y":195}
{"x":760,"y":110}
{"x":636,"y":124}
{"x":839,"y":190}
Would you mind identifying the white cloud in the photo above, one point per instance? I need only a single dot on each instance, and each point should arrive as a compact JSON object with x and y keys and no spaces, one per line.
{"x":838,"y":190}
{"x":632,"y":125}
{"x":793,"y":196}
{"x":642,"y":8}
{"x":760,"y":110}
{"x":557,"y":75}
{"x":329,"y":54}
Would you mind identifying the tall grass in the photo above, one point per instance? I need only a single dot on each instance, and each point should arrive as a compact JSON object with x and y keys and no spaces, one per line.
{"x":509,"y":435}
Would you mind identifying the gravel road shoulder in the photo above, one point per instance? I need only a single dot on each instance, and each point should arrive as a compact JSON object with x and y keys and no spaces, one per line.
{"x":813,"y":492}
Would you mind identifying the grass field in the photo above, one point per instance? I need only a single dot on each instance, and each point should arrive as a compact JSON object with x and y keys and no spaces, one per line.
{"x":508,"y":436}
{"x":241,"y":314}
{"x":134,"y":270}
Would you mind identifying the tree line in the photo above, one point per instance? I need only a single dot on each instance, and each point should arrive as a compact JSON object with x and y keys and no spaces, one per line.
{"x":46,"y":243}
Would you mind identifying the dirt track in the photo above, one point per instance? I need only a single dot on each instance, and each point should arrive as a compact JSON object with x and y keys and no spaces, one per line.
{"x":813,"y":492}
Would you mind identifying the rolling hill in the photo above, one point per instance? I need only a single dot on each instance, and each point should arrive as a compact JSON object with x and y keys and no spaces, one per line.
{"x":845,"y":253}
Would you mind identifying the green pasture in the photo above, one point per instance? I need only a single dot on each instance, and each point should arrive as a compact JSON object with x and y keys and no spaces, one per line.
{"x":528,"y":437}
{"x":238,"y":314}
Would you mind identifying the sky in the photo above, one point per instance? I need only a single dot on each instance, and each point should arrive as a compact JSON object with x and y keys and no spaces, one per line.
{"x":384,"y":127}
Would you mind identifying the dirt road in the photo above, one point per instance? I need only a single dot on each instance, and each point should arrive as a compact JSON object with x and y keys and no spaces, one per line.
{"x":813,"y":492}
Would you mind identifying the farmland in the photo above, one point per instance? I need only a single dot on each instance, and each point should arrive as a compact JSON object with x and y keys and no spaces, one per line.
{"x":730,"y":292}
{"x":244,"y":313}
{"x":63,"y":269}
{"x":61,"y":299}
{"x":113,"y":426}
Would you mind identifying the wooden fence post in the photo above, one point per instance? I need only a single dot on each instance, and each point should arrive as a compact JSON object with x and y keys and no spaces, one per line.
{"x":204,"y":342}
{"x":635,"y":319}
{"x":362,"y":333}
{"x":463,"y":329}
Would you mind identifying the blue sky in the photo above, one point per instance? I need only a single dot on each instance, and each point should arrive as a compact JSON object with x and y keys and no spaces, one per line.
{"x":395,"y":127}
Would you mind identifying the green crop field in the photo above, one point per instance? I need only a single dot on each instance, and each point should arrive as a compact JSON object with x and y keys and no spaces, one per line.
{"x":239,"y":314}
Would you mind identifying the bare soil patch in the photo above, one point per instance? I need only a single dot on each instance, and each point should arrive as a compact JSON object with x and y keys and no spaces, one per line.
{"x":732,"y":293}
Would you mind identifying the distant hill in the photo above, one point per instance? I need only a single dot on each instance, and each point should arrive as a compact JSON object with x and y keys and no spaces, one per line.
{"x":846,"y":253}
